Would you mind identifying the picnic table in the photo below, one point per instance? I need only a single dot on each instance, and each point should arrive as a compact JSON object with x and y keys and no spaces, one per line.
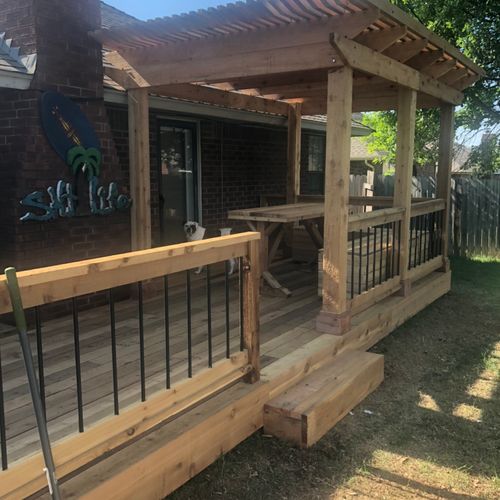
{"x":271,"y":222}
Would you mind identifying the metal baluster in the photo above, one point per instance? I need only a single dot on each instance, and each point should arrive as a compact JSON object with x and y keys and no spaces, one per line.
{"x":141,"y":342}
{"x":189,"y":328}
{"x":114,"y":363}
{"x":441,"y":220}
{"x":399,"y":247}
{"x":242,"y":340}
{"x":353,"y":251}
{"x":386,"y":251}
{"x":435,"y":241}
{"x":420,"y":226}
{"x":76,"y":339}
{"x":393,"y":229}
{"x":416,"y":243}
{"x":166,"y":307}
{"x":374,"y":255}
{"x":360,"y":260}
{"x":39,"y":355}
{"x":410,"y":246}
{"x":209,"y":318}
{"x":381,"y":253}
{"x":3,"y":434}
{"x":426,"y":232}
{"x":367,"y":257}
{"x":226,"y":291}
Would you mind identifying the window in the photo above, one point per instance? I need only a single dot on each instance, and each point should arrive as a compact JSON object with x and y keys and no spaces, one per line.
{"x":314,"y":170}
{"x":316,"y":153}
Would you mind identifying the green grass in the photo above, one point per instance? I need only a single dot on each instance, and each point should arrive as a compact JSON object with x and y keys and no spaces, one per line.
{"x":435,"y":427}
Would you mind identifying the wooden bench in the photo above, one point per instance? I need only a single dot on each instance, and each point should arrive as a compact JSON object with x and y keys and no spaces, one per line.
{"x":307,"y":411}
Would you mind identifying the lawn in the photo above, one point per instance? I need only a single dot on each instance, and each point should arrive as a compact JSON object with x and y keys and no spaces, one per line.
{"x":432,"y":430}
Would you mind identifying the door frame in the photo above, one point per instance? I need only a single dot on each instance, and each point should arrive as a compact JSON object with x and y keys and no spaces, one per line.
{"x":194,"y":123}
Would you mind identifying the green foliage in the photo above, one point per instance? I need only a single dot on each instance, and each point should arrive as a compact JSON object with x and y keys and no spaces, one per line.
{"x":485,"y":158}
{"x":88,"y":160}
{"x":473,"y":26}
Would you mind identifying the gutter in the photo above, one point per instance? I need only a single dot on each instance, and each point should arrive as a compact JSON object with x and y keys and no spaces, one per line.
{"x":15,"y":80}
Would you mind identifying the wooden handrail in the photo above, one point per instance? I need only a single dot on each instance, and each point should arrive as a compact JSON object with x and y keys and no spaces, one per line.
{"x":379,"y":201}
{"x":54,"y":283}
{"x":427,"y":207}
{"x":364,"y":220}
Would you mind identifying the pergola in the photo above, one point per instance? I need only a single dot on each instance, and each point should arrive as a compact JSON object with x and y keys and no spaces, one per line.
{"x":294,"y":58}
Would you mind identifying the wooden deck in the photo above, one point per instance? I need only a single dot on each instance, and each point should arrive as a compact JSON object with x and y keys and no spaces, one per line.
{"x":286,"y":324}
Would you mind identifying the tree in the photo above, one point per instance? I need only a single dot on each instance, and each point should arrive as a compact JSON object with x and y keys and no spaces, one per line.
{"x":473,"y":26}
{"x":485,"y":158}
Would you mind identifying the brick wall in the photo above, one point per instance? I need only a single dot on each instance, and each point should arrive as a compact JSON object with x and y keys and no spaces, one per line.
{"x":238,"y":163}
{"x":68,"y":61}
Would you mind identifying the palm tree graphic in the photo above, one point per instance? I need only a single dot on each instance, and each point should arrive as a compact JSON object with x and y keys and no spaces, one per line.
{"x":88,"y":160}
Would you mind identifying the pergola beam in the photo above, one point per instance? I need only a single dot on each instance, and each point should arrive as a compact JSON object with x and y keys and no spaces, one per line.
{"x":233,"y":100}
{"x":425,"y":59}
{"x":382,"y":39}
{"x":295,"y":47}
{"x":454,"y":76}
{"x":365,"y":59}
{"x":404,"y":51}
{"x":439,"y":69}
{"x":401,"y":17}
{"x":228,"y":99}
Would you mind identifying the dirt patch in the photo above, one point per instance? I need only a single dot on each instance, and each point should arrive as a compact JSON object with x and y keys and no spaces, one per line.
{"x":432,"y":430}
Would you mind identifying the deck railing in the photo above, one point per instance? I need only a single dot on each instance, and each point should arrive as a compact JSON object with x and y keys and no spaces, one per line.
{"x":426,"y":238}
{"x":373,"y":249}
{"x":70,"y":282}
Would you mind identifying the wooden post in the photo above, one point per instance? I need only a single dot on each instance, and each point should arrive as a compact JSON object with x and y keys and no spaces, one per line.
{"x":405,"y":145}
{"x":294,"y":152}
{"x":140,"y":188}
{"x":335,"y":316}
{"x":446,"y":139}
{"x":251,"y":321}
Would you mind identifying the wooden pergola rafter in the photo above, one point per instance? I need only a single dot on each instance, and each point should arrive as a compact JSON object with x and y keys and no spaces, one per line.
{"x":295,"y":58}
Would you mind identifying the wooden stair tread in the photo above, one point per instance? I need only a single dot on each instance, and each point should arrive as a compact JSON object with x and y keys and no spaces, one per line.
{"x":306,"y":411}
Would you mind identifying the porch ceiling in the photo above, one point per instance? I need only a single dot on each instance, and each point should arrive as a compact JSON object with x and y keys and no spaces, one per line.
{"x":265,"y":54}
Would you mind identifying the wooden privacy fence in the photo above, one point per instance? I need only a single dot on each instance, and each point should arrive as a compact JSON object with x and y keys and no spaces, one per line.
{"x":474,"y":210}
{"x":475,"y":216}
{"x":191,"y":384}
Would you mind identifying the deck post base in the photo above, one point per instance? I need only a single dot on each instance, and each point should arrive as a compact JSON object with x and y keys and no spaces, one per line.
{"x":446,"y":265}
{"x":333,"y":323}
{"x":405,"y":289}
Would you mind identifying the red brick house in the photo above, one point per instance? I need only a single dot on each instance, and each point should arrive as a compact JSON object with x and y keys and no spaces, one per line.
{"x":236,"y":155}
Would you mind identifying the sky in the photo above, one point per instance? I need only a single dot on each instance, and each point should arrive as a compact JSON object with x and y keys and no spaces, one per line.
{"x":148,"y":9}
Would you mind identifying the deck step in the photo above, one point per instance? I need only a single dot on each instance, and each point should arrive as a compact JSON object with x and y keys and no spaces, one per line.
{"x":308,"y":410}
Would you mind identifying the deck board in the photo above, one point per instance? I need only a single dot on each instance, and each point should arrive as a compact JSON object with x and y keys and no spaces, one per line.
{"x":284,"y":323}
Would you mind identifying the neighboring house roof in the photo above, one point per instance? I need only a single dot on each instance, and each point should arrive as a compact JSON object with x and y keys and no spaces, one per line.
{"x":16,"y":71}
{"x":360,"y":152}
{"x":461,"y":154}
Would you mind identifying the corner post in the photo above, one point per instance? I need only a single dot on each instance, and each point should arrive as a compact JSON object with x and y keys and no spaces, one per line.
{"x":139,"y":166}
{"x":251,"y":299}
{"x":407,"y":103}
{"x":335,"y":316}
{"x":443,"y":188}
{"x":294,"y":152}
